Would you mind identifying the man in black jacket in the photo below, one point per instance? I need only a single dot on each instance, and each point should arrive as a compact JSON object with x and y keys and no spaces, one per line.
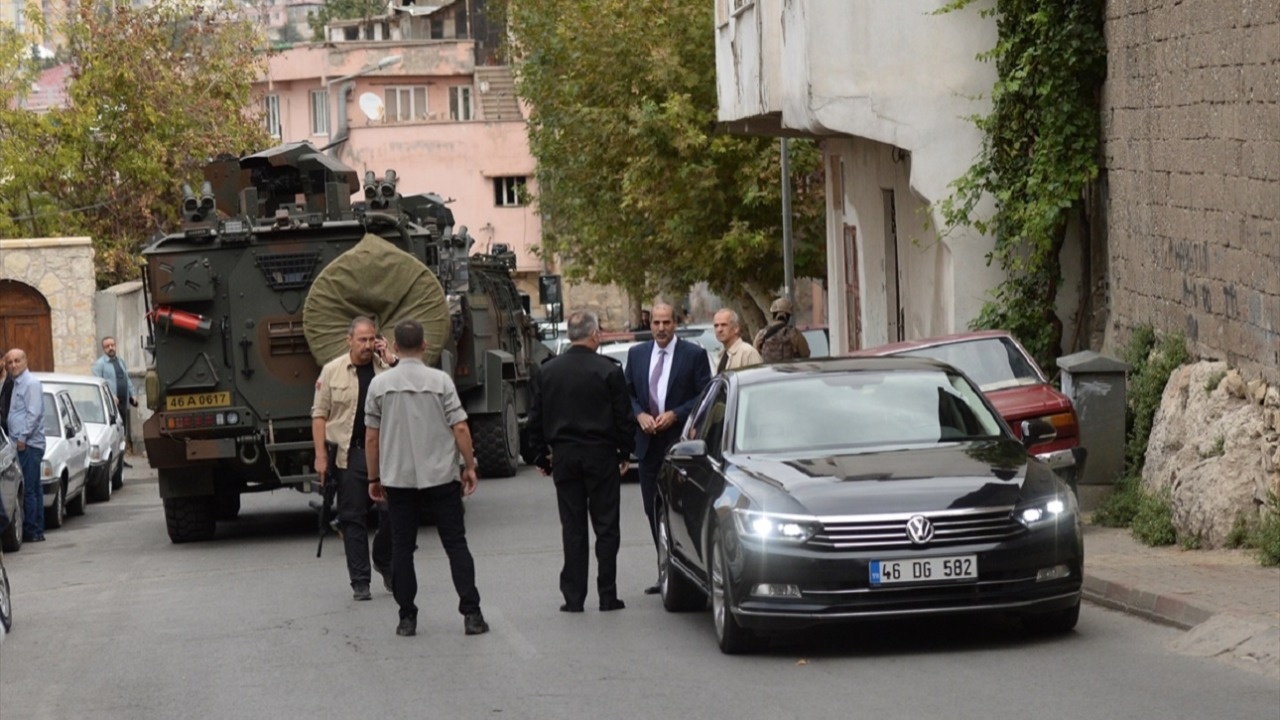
{"x":581,"y":427}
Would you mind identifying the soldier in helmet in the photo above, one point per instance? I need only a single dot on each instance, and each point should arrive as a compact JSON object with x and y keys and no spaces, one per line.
{"x":779,"y":340}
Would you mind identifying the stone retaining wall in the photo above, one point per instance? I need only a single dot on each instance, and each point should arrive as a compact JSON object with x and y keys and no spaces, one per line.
{"x":1191,"y":123}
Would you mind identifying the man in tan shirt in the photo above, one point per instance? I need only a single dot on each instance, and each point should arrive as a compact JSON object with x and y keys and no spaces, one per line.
{"x":735,"y":353}
{"x":337,"y":419}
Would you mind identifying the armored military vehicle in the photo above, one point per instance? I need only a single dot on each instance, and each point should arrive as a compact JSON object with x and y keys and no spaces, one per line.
{"x":256,"y":291}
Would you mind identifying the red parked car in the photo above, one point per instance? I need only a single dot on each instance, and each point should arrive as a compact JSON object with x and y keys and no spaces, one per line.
{"x":1015,"y":385}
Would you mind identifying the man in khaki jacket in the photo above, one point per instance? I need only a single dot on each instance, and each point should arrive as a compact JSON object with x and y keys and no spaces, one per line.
{"x":736,"y":353}
{"x":337,"y":418}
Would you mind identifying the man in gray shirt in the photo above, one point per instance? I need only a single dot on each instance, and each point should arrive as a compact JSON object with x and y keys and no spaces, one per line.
{"x":415,"y":430}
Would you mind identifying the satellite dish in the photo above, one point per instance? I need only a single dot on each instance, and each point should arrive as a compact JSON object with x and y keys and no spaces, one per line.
{"x":372,"y":107}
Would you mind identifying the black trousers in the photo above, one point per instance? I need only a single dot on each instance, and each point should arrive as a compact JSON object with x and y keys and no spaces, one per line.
{"x":353,"y":518}
{"x":649,"y":467}
{"x":588,"y":485}
{"x":443,"y":506}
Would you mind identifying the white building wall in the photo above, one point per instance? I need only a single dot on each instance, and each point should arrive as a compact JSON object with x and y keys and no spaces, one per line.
{"x":890,"y":86}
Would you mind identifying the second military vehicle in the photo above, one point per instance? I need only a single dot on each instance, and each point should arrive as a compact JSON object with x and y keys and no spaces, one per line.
{"x":256,"y":292}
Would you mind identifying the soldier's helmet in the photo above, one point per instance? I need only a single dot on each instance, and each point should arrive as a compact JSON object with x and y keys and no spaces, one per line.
{"x":781,"y":306}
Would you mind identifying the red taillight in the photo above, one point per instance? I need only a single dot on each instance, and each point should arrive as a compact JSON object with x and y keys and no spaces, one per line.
{"x":1065,"y":423}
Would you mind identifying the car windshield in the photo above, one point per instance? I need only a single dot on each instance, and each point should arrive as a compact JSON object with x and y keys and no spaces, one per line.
{"x":994,"y":363}
{"x":858,"y":409}
{"x":88,"y":402}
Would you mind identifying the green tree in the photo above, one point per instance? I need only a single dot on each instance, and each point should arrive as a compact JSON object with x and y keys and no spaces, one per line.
{"x":636,"y":183}
{"x":343,"y":10}
{"x":154,"y":93}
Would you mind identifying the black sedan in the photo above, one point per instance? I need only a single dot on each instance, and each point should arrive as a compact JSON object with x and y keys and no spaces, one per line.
{"x":861,"y":488}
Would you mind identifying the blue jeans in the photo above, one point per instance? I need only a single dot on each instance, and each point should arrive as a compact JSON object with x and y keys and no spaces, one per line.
{"x":33,"y":501}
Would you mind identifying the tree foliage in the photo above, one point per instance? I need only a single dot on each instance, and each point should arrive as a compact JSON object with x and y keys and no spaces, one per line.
{"x":154,"y":93}
{"x":1039,"y":154}
{"x":636,"y":183}
{"x":332,"y":10}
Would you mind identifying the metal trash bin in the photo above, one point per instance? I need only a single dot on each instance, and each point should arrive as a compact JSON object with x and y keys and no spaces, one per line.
{"x":1096,"y":385}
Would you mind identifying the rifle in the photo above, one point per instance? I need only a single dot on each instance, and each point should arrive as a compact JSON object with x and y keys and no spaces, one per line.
{"x":325,"y":514}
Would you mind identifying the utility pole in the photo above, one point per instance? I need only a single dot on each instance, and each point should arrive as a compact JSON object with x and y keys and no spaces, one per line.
{"x":788,"y":248}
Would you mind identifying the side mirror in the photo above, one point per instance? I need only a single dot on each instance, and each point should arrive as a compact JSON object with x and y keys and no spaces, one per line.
{"x":688,"y":450}
{"x":1037,"y":431}
{"x":71,"y":433}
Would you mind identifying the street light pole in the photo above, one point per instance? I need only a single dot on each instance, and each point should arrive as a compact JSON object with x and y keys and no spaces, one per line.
{"x":340,"y":100}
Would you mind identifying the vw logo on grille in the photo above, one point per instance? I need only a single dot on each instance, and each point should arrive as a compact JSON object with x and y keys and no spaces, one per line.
{"x":919,"y":529}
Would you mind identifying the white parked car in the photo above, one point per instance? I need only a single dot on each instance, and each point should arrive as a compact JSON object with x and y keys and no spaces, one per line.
{"x":66,"y":459}
{"x":96,"y":405}
{"x":11,"y":495}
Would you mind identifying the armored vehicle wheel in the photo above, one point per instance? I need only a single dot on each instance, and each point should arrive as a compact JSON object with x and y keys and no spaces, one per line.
{"x":56,"y":515}
{"x":496,"y":439}
{"x":11,"y":539}
{"x":189,"y":519}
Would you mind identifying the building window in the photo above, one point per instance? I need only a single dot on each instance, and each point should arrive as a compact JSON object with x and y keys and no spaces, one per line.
{"x":437,"y":28}
{"x":405,"y":104}
{"x":271,"y":113}
{"x":508,"y":191}
{"x":460,"y":102}
{"x":319,"y":112}
{"x":460,"y":22}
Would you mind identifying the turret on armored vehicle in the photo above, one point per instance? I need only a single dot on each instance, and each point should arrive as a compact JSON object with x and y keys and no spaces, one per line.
{"x":256,"y":292}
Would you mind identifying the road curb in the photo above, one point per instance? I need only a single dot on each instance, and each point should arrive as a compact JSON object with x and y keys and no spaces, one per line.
{"x":1164,"y":609}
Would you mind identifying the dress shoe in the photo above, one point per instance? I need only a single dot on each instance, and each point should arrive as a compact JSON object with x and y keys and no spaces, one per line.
{"x":570,"y":608}
{"x":614,"y":604}
{"x":407,"y":627}
{"x":360,"y":591}
{"x":653,"y":589}
{"x":474,"y":624}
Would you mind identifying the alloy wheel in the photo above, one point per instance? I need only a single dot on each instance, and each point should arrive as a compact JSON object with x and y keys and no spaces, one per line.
{"x":718,"y":605}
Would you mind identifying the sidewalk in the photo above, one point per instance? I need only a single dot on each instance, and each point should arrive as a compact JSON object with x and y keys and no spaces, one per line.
{"x":1229,"y":603}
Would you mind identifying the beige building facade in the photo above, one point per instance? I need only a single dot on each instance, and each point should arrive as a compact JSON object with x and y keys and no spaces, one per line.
{"x":47,"y":302}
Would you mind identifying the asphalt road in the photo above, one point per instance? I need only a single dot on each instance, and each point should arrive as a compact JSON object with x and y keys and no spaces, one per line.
{"x":113,"y":621}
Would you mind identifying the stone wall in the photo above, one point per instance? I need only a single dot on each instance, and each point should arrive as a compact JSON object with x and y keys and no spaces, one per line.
{"x":1191,"y":123}
{"x":62,"y":270}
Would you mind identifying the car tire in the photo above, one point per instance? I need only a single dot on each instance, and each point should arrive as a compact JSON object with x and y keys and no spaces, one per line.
{"x":100,"y":489}
{"x":56,"y":515}
{"x":189,"y":519}
{"x":679,"y":594}
{"x":6,"y":601}
{"x":76,"y":507}
{"x":11,"y":538}
{"x":117,"y":477}
{"x":732,"y":637}
{"x":1053,"y":623}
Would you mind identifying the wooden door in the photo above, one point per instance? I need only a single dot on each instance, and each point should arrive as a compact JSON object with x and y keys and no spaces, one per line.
{"x":24,"y":323}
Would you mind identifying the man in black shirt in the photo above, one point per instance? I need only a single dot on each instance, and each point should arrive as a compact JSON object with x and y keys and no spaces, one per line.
{"x":580,"y":425}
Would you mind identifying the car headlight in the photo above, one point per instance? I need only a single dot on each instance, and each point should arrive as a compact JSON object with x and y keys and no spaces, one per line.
{"x":95,"y":453}
{"x":775,"y":527}
{"x":46,"y":469}
{"x":1043,"y":511}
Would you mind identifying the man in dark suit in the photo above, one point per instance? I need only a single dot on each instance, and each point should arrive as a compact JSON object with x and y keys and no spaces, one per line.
{"x":581,"y":428}
{"x":664,"y":378}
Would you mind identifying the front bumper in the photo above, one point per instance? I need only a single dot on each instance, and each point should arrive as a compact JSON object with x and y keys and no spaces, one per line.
{"x":836,"y":585}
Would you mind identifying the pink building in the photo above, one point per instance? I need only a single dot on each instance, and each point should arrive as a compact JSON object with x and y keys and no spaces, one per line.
{"x":423,"y":108}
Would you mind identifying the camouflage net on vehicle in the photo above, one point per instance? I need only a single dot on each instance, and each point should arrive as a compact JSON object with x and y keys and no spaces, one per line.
{"x":377,"y":279}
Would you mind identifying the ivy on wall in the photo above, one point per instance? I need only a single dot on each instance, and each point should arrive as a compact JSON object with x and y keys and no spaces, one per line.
{"x":1039,"y":153}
